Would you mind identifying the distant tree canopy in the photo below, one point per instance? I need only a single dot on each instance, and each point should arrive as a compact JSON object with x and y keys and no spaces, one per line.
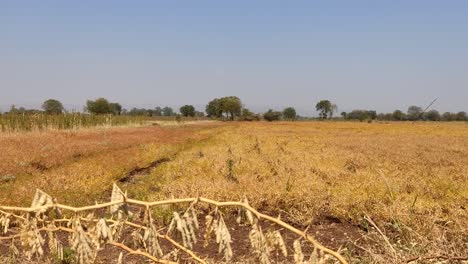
{"x":361,"y":115}
{"x":53,"y":106}
{"x":230,"y":107}
{"x":247,"y":115}
{"x":325,"y":109}
{"x":22,"y":110}
{"x":213,"y":108}
{"x":398,"y":115}
{"x":157,"y":111}
{"x":199,"y":114}
{"x":99,"y":106}
{"x":272,"y":115}
{"x":289,"y":113}
{"x":115,"y":108}
{"x":187,"y":110}
{"x":139,"y":112}
{"x":461,"y":116}
{"x":432,"y":115}
{"x":414,"y":113}
{"x":418,"y":114}
{"x":167,"y":111}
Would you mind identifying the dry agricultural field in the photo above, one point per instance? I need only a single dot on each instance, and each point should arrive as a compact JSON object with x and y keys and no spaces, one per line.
{"x":375,"y":192}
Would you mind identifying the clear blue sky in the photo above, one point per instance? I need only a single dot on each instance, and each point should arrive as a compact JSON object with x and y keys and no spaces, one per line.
{"x":378,"y":55}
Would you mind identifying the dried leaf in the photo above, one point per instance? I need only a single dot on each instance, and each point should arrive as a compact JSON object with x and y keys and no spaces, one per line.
{"x":41,"y":199}
{"x":31,"y":239}
{"x":259,"y":244}
{"x":298,"y":255}
{"x":83,"y":245}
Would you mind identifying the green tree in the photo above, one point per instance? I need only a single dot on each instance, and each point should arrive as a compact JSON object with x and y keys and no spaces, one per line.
{"x":116,"y":108}
{"x":98,"y":106}
{"x":432,"y":115}
{"x":325,"y":109}
{"x":187,"y":110}
{"x":167,"y":111}
{"x":362,"y":115}
{"x":333,"y":110}
{"x":289,"y":113}
{"x":52,"y":106}
{"x":372,"y":114}
{"x":213,"y":109}
{"x":272,"y":115}
{"x":247,"y":115}
{"x":398,"y":115}
{"x":157,"y":111}
{"x":461,"y":116}
{"x":247,"y":112}
{"x":385,"y":116}
{"x":14,"y":110}
{"x":414,"y":112}
{"x":199,"y":114}
{"x":231,"y":106}
{"x":447,"y":116}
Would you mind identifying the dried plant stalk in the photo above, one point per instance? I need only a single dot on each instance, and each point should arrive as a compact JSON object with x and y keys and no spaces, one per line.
{"x":223,"y":238}
{"x":31,"y":239}
{"x":151,"y":242}
{"x":83,"y":245}
{"x":259,"y":244}
{"x":5,"y":222}
{"x":103,"y":233}
{"x":298,"y":255}
{"x":86,"y":243}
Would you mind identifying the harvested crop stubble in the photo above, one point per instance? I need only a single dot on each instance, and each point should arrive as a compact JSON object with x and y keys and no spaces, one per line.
{"x":79,"y":165}
{"x":402,"y":186}
{"x":411,"y":179}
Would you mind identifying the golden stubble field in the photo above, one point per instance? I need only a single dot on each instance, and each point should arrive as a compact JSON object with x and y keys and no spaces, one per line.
{"x":78,"y":166}
{"x":410,"y":179}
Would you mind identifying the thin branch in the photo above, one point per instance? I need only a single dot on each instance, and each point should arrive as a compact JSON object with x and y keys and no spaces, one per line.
{"x":13,"y":215}
{"x":189,"y":200}
{"x":186,"y":250}
{"x":368,"y":219}
{"x":122,"y":246}
{"x":141,"y":253}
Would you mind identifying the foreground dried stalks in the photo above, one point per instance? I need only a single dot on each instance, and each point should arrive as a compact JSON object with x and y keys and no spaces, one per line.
{"x":36,"y":228}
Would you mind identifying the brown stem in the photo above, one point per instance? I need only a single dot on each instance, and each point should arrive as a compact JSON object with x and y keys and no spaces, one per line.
{"x":141,"y":253}
{"x":187,"y":200}
{"x":186,"y":250}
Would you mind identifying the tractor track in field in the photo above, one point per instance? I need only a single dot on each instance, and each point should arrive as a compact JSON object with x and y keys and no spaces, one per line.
{"x":130,"y":177}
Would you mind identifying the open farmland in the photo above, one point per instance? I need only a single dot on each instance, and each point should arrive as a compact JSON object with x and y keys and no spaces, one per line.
{"x":339,"y":180}
{"x":77,"y":165}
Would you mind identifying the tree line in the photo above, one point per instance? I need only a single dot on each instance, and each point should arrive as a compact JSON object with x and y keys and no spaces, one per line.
{"x":414,"y":113}
{"x":231,"y":108}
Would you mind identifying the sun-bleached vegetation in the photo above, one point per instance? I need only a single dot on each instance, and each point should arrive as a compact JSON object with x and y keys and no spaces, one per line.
{"x":374,"y":192}
{"x":41,"y":121}
{"x":88,"y":230}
